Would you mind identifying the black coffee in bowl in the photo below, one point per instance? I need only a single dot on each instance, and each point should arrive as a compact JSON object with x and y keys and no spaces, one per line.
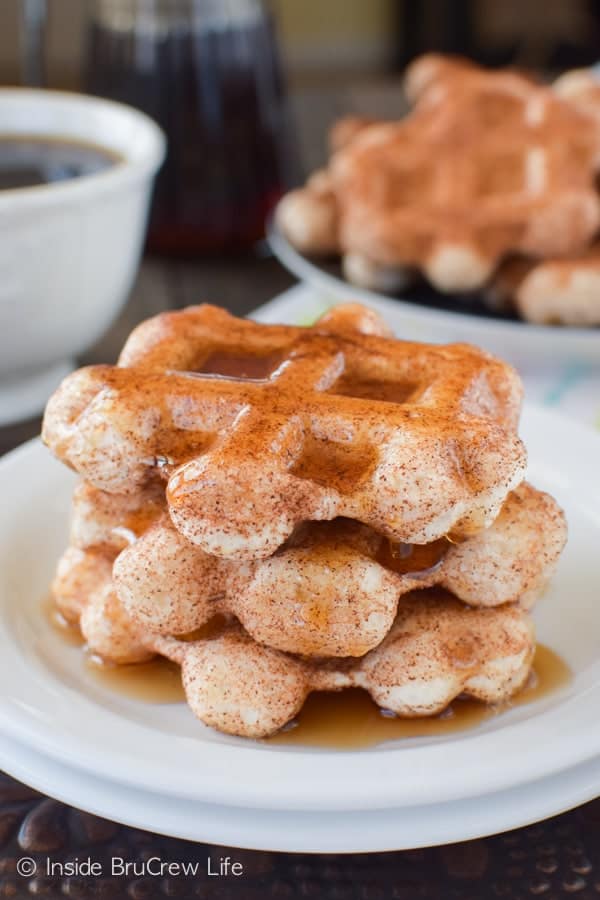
{"x":28,"y":161}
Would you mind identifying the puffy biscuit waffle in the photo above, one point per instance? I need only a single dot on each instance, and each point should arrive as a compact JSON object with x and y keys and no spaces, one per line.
{"x":487,"y":164}
{"x":334,"y":588}
{"x":214,"y":433}
{"x":258,"y":428}
{"x":559,"y":290}
{"x":436,"y":650}
{"x":427,"y":649}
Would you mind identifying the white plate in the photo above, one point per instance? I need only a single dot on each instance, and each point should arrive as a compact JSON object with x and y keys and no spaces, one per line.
{"x":304,"y":832}
{"x":50,"y":703}
{"x":522,"y":343}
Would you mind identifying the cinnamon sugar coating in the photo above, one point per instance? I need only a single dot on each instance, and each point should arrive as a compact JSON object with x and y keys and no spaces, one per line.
{"x":557,"y":290}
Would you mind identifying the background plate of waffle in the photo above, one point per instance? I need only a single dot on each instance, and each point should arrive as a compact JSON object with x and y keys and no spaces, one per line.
{"x":486,"y":190}
{"x":419,"y":312}
{"x":51,"y":703}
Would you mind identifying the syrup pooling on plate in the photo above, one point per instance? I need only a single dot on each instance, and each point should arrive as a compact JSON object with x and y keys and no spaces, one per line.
{"x":68,"y":631}
{"x":345,"y":720}
{"x":350,"y":720}
{"x":157,"y":681}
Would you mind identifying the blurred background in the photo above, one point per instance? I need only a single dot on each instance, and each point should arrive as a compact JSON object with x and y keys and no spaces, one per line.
{"x":245,"y":92}
{"x":304,"y":62}
{"x":323,"y":44}
{"x":359,"y":36}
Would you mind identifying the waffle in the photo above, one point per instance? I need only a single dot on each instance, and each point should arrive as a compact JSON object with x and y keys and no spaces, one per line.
{"x":395,"y":630}
{"x":559,"y":290}
{"x":435,"y":649}
{"x":281,"y":510}
{"x":258,"y":428}
{"x":334,"y":589}
{"x":486,"y":165}
{"x":553,"y":291}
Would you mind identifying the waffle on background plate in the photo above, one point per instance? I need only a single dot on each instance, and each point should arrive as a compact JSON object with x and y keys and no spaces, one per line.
{"x":281,"y":510}
{"x":488,"y":186}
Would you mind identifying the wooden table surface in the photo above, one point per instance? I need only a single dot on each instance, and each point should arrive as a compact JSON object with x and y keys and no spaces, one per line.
{"x":556,"y":859}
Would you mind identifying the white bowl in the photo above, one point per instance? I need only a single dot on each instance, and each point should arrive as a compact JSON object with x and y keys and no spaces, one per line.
{"x":68,"y":250}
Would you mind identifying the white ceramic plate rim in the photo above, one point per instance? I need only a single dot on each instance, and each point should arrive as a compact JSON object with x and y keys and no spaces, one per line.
{"x":305,"y":832}
{"x":240,"y":774}
{"x":310,"y":272}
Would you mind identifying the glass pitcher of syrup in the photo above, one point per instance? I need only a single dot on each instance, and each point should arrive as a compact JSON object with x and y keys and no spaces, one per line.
{"x":208,"y":72}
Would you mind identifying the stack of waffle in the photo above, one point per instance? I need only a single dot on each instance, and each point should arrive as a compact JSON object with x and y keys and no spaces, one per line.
{"x":281,"y":510}
{"x":489,"y":184}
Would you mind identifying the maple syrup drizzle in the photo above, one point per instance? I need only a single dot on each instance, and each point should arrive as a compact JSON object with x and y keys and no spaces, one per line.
{"x":334,"y":464}
{"x":412,"y":559}
{"x":400,"y":392}
{"x":240,"y":366}
{"x":141,"y":519}
{"x":345,"y":720}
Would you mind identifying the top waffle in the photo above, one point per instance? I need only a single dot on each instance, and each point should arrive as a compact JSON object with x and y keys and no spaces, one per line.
{"x":258,"y":428}
{"x":487,"y":164}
